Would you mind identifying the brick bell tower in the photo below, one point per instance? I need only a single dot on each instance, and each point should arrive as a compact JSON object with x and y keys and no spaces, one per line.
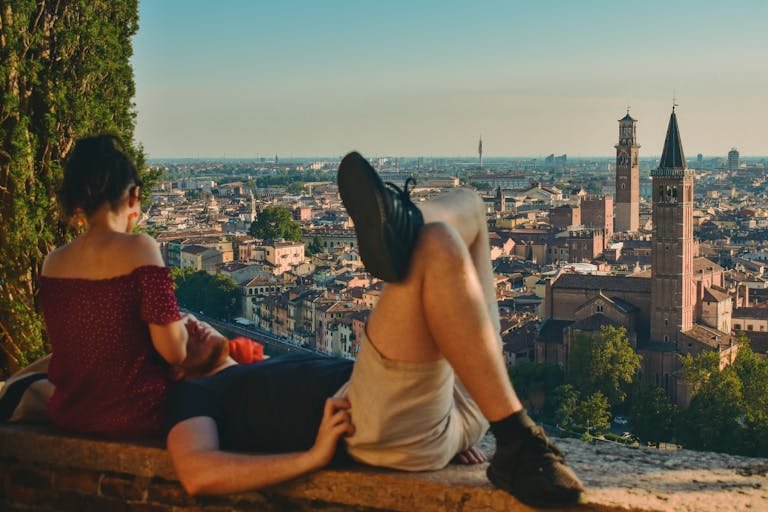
{"x":627,"y":204}
{"x":672,"y":285}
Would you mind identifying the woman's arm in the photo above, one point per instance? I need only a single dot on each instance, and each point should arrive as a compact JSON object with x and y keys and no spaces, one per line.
{"x":203,"y":468}
{"x":170,"y":340}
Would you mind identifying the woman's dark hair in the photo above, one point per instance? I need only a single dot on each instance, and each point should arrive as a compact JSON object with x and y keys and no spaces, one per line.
{"x":96,"y":171}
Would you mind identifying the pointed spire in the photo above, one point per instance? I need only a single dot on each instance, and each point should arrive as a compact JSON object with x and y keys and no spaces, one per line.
{"x":672,"y":157}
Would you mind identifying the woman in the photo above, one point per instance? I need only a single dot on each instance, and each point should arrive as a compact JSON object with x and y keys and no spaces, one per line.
{"x":108,"y":303}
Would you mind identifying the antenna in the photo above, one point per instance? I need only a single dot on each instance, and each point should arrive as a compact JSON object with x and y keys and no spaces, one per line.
{"x":674,"y":100}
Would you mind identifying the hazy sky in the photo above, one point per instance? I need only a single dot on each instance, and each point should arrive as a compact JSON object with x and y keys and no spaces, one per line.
{"x":241,"y":78}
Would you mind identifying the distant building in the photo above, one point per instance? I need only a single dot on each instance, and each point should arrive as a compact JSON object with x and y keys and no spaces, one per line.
{"x":597,"y":212}
{"x":682,"y":307}
{"x":284,"y":255}
{"x":200,"y":258}
{"x":627,"y":177}
{"x":733,"y":159}
{"x":564,"y":217}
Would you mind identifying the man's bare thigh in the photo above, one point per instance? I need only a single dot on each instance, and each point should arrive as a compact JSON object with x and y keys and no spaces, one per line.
{"x":397,"y":326}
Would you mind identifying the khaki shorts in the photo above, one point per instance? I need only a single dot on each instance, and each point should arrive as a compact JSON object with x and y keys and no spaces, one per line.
{"x":408,"y":416}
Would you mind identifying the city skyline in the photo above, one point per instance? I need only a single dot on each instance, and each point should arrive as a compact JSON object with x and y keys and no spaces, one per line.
{"x":428,"y":79}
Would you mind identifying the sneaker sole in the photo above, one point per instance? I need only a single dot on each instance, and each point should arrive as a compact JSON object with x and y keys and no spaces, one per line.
{"x":562,"y":500}
{"x":361,"y":191}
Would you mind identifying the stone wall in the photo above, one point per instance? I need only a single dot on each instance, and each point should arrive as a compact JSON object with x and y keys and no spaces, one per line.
{"x":43,"y":470}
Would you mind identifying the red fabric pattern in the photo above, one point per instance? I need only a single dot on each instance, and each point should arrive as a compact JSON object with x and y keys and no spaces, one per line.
{"x":245,"y":350}
{"x":110,"y":380}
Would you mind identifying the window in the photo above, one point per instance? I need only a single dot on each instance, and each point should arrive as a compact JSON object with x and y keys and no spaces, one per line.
{"x":666,"y":322}
{"x":599,"y":308}
{"x":737,"y":327}
{"x":666,"y":338}
{"x":749,"y":327}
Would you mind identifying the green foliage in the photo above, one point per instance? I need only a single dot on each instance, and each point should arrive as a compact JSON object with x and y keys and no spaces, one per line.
{"x":700,"y":368}
{"x":565,"y":400}
{"x":275,"y":222}
{"x":752,"y":371}
{"x":216,"y":296}
{"x":535,"y":384}
{"x":64,"y":73}
{"x":729,"y":407}
{"x":605,"y":362}
{"x":594,"y":412}
{"x":316,"y":245}
{"x":652,"y":414}
{"x":295,"y":188}
{"x":712,"y":418}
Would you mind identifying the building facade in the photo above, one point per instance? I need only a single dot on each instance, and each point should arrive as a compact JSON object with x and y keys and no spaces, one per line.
{"x":627,"y":177}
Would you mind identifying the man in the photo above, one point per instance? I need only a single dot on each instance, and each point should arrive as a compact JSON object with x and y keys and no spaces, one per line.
{"x":427,"y":380}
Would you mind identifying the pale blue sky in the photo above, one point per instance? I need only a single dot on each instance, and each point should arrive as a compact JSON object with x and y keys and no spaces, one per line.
{"x":242,"y":78}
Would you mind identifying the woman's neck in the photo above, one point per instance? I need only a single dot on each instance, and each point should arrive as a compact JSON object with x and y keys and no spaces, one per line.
{"x":105,"y":220}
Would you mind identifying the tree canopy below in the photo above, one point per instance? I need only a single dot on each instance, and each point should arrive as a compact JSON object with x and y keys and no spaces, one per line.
{"x":275,"y":222}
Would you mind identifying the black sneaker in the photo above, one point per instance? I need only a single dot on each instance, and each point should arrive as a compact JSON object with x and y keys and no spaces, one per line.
{"x":386,"y":221}
{"x":533,"y":470}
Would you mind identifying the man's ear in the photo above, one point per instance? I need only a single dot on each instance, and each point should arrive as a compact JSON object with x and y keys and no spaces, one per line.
{"x":177,"y":373}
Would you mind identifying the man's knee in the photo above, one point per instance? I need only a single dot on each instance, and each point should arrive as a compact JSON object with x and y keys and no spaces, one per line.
{"x":474,"y":199}
{"x":440,"y":245}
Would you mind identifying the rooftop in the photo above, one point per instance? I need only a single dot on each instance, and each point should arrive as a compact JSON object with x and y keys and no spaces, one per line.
{"x":605,"y":283}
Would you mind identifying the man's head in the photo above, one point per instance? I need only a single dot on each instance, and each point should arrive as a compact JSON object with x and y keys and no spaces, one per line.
{"x":207,"y":350}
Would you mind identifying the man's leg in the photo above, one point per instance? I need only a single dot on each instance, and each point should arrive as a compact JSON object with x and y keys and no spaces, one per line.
{"x":464,"y":210}
{"x":440,"y":310}
{"x":444,"y":305}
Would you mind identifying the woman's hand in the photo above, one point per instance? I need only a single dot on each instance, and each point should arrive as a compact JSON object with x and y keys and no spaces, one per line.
{"x":336,"y":423}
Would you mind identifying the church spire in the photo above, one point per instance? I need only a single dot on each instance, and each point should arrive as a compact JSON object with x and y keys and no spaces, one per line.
{"x":672,"y":157}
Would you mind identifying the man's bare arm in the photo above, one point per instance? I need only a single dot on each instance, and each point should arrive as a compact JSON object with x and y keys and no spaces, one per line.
{"x":203,"y":468}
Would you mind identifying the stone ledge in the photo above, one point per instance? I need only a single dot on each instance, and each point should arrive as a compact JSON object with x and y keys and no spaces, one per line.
{"x":618,"y":478}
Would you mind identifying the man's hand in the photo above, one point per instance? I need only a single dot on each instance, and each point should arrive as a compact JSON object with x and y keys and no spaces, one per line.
{"x":336,"y":423}
{"x":469,"y":457}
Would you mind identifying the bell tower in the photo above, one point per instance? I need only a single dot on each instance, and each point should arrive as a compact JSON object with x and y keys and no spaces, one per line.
{"x":627,"y":204}
{"x":672,"y":285}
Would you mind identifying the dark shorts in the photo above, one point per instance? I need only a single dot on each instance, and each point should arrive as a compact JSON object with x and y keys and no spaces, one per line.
{"x":271,"y":406}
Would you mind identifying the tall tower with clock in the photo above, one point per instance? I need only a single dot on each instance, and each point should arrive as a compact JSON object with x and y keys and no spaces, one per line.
{"x":673,"y":289}
{"x":627,"y":204}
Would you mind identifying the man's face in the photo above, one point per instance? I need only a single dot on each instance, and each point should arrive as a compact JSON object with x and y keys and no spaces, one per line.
{"x":206,"y":349}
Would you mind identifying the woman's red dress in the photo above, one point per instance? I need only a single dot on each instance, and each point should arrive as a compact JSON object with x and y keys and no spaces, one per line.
{"x":110,"y":380}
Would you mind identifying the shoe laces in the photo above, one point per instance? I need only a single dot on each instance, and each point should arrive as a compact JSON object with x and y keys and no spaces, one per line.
{"x":405,"y":192}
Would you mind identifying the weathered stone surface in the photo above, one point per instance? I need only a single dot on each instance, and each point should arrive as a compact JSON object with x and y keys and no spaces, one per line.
{"x":618,"y":478}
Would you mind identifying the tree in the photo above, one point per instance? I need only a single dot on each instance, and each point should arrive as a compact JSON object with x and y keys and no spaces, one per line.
{"x":753,"y":373}
{"x":275,"y":222}
{"x":295,"y":188}
{"x":64,"y":73}
{"x":316,"y":245}
{"x":565,"y":400}
{"x":535,"y":383}
{"x":217,"y":296}
{"x":594,"y":412}
{"x":652,"y":414}
{"x":699,"y":369}
{"x":603,"y":362}
{"x":711,"y":421}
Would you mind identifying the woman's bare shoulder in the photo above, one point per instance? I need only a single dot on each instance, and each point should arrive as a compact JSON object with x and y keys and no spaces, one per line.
{"x":51,"y":259}
{"x":141,"y":249}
